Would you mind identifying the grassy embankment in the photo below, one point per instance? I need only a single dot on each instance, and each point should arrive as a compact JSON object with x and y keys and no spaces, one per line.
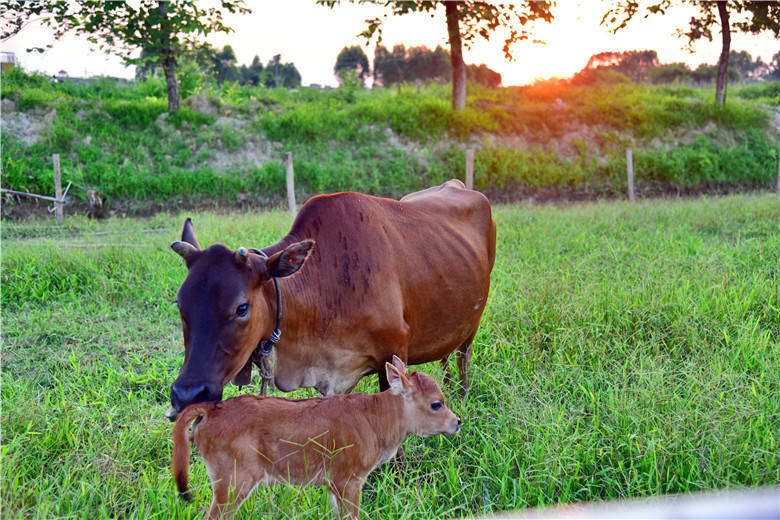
{"x":626,"y":350}
{"x":120,"y":142}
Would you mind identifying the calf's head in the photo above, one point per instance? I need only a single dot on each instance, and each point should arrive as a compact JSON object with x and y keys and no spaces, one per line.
{"x":424,"y":410}
{"x":224,"y":312}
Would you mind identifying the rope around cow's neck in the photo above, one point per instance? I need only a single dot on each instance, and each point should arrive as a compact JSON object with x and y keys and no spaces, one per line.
{"x":264,"y":355}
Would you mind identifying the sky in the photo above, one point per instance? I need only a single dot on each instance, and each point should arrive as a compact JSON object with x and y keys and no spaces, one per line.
{"x":311,"y":37}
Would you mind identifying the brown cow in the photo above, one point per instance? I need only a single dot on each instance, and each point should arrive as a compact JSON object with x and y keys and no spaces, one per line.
{"x":335,"y":441}
{"x":407,"y":278}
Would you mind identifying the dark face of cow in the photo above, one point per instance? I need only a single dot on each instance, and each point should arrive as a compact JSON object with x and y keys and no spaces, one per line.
{"x":224,"y":313}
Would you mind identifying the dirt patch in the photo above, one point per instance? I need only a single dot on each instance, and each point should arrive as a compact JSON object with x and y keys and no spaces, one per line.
{"x":200,"y":102}
{"x":24,"y":126}
{"x":513,"y":193}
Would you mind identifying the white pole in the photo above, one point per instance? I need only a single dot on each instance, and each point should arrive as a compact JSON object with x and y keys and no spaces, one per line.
{"x":288,"y":161}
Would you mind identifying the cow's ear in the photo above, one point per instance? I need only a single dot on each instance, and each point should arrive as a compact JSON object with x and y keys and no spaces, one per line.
{"x":244,"y":377}
{"x":399,"y":385}
{"x":188,"y":234}
{"x":287,"y":262}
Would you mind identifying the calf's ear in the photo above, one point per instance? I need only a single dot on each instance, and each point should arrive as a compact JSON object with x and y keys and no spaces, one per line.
{"x":399,"y":385}
{"x":288,"y":262}
{"x":400,"y":365}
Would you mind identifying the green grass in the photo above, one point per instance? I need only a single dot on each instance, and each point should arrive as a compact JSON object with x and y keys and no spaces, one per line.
{"x":120,"y":142}
{"x":626,"y":350}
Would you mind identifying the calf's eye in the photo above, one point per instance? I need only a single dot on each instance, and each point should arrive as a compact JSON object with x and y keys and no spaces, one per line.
{"x":242,"y":309}
{"x":436,"y":405}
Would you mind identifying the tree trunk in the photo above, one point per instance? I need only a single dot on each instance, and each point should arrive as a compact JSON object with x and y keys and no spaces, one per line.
{"x":723,"y":64}
{"x":456,"y":56}
{"x":169,"y":66}
{"x":169,"y":62}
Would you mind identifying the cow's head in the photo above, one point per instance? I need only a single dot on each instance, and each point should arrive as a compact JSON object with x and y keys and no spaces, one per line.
{"x":224,"y":312}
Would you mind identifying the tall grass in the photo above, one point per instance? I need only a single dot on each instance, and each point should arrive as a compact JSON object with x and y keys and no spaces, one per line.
{"x":120,"y":141}
{"x":626,"y":350}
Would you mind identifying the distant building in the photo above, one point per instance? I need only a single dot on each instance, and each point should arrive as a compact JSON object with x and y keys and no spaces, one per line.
{"x":62,"y":74}
{"x":8,"y":61}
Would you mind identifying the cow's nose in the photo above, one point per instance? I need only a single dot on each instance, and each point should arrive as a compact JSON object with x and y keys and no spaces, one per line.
{"x":183,"y":395}
{"x":460,"y":423}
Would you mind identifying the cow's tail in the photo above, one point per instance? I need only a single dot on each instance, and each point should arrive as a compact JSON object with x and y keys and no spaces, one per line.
{"x":180,"y":457}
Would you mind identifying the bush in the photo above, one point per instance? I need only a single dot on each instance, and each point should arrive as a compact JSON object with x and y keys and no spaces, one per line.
{"x":388,"y":141}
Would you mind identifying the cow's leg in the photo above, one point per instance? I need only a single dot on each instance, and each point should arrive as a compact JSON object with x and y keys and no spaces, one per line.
{"x":463,"y":356}
{"x":391,"y":342}
{"x":445,"y":365}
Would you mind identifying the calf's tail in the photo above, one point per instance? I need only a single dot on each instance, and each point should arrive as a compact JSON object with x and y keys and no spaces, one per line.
{"x":180,"y":457}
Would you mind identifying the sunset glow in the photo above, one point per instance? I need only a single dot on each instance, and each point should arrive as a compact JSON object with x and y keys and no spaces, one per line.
{"x":311,"y":36}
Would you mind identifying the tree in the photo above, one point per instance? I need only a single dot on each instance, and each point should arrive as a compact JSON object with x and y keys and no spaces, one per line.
{"x":743,"y":64}
{"x":774,"y":68}
{"x":758,"y":17}
{"x":224,"y":65}
{"x":484,"y":76}
{"x":352,"y":59}
{"x":388,"y":65}
{"x":163,"y":29}
{"x":466,"y":20}
{"x":280,"y":74}
{"x":253,"y":74}
{"x":147,"y":66}
{"x":422,"y":64}
{"x":633,"y":64}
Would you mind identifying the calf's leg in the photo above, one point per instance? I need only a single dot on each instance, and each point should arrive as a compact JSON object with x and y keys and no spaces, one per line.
{"x":347,"y":498}
{"x":230,"y":491}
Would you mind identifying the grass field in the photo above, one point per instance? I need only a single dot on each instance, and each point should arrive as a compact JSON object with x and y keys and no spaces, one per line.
{"x":626,"y":350}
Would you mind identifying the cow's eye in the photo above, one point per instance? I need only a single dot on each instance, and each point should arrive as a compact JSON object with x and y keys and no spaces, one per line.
{"x":436,"y":405}
{"x":242,"y":309}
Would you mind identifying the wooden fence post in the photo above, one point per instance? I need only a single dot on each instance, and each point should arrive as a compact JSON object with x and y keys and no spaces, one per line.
{"x":470,"y":169}
{"x":778,"y":174}
{"x":58,"y":210}
{"x":630,"y":167}
{"x":288,"y":162}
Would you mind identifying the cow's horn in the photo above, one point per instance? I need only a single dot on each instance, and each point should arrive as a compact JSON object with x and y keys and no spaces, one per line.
{"x":242,"y":253}
{"x":185,"y":249}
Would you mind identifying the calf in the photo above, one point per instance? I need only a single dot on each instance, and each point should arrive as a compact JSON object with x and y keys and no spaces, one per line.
{"x":335,"y":441}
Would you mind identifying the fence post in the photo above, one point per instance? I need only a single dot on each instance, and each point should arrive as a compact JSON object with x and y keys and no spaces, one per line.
{"x":57,"y":188}
{"x":778,"y":174}
{"x":288,"y":162}
{"x":470,"y":169}
{"x":630,"y":167}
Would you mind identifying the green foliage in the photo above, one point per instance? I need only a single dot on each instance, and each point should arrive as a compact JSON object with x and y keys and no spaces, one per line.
{"x":119,"y":140}
{"x":352,"y":62}
{"x":420,"y":64}
{"x":767,"y":92}
{"x":625,"y":351}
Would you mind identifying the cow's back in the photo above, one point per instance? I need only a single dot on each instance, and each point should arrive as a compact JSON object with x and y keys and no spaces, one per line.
{"x":384,"y":273}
